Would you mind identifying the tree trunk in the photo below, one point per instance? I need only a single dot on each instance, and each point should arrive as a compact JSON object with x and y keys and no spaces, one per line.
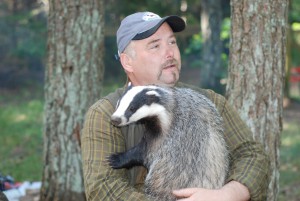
{"x":211,"y":20}
{"x":74,"y":75}
{"x":256,"y":72}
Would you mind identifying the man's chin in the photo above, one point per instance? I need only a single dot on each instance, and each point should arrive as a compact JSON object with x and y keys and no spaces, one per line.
{"x":169,"y":78}
{"x":170,"y":82}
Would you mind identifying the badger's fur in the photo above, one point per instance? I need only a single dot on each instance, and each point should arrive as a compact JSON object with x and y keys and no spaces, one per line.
{"x":183,"y":145}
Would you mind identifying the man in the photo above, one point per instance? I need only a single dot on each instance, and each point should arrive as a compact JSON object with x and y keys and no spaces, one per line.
{"x":149,"y":55}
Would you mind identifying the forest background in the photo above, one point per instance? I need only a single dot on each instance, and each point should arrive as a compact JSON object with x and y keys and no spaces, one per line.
{"x":23,"y":52}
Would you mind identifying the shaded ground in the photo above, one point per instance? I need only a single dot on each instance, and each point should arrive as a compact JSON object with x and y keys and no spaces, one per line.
{"x":289,"y":151}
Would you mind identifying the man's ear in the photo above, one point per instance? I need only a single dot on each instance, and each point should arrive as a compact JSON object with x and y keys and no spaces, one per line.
{"x":126,"y":62}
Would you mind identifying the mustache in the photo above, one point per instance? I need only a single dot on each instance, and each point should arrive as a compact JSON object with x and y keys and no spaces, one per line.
{"x":170,"y":63}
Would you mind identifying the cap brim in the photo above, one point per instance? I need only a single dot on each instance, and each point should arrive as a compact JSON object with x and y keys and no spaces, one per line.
{"x":175,"y":22}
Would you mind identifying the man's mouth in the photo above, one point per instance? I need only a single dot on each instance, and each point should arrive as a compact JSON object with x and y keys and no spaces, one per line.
{"x":170,"y":66}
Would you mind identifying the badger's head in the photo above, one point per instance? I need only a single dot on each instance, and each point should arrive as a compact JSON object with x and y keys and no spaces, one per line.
{"x":141,"y":102}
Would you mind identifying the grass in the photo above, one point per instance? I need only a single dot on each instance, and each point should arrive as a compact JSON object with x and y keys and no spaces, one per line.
{"x":21,"y":137}
{"x":290,"y":162}
{"x":21,"y":147}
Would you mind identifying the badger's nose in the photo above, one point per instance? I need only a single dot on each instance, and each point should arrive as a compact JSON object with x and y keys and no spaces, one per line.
{"x":116,"y":120}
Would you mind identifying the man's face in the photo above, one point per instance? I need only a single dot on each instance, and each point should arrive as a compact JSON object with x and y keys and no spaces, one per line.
{"x":157,"y":59}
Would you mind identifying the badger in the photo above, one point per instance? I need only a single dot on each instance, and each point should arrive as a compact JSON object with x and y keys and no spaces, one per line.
{"x":183,"y":145}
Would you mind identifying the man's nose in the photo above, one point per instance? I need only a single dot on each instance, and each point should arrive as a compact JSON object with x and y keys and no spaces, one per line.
{"x":169,"y":52}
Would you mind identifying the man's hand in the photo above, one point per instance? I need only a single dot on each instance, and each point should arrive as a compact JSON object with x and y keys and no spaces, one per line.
{"x":232,"y":191}
{"x":198,"y":194}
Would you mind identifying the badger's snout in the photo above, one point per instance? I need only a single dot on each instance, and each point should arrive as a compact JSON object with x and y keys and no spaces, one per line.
{"x":116,"y":121}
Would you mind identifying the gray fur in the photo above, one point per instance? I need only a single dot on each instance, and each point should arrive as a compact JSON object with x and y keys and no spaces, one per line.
{"x":189,"y":152}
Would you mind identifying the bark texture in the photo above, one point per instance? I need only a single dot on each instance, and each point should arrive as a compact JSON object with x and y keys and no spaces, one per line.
{"x":211,"y":20}
{"x":256,"y":72}
{"x":74,"y":76}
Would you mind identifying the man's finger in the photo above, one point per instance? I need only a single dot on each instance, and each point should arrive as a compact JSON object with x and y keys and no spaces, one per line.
{"x":186,"y":192}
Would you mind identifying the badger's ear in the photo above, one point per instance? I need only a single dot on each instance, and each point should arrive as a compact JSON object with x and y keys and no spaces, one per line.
{"x":152,"y":93}
{"x":153,"y":96}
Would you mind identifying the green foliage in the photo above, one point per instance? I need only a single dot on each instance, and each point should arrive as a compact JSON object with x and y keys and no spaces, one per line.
{"x":294,"y":19}
{"x":225,"y":31}
{"x":295,"y":49}
{"x":294,"y":13}
{"x":225,"y":37}
{"x":23,"y":36}
{"x":195,"y":44}
{"x":193,"y":51}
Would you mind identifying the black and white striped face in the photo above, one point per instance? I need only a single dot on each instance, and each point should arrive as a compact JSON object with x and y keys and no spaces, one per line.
{"x":137,"y":103}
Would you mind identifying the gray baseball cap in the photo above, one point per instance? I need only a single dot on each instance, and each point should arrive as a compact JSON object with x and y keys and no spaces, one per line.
{"x":141,"y":25}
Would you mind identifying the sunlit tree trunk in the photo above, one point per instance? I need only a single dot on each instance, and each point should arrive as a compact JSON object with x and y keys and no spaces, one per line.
{"x":73,"y":82}
{"x":256,"y":72}
{"x":211,"y":20}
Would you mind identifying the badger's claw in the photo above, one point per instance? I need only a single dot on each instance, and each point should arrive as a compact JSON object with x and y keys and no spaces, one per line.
{"x":115,"y":161}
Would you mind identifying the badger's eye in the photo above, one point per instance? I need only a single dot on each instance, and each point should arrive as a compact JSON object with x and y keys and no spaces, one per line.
{"x":132,"y":109}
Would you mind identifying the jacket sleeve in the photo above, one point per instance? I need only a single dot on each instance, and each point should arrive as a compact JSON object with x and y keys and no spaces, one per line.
{"x":249,"y":163}
{"x":100,"y":139}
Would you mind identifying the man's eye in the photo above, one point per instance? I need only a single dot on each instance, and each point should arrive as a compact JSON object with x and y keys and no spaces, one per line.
{"x":173,"y":42}
{"x":154,"y":46}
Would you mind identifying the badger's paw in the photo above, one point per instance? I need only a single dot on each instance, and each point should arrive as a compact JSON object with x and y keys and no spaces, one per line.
{"x":115,"y":161}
